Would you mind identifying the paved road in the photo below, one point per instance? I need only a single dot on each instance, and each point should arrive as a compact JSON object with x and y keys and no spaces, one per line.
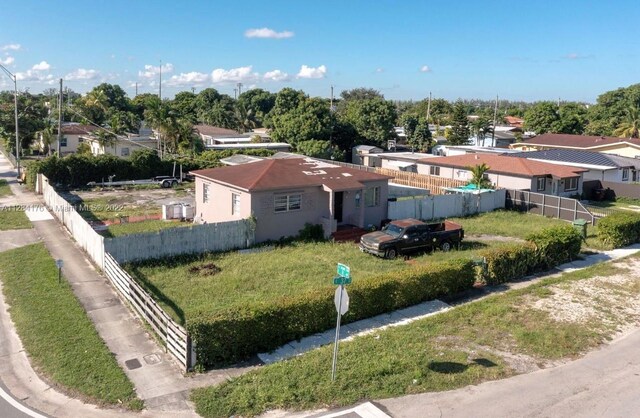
{"x":604,"y":383}
{"x":11,"y":408}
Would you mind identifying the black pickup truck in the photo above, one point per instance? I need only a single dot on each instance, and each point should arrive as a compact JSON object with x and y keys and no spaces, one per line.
{"x":407,"y":235}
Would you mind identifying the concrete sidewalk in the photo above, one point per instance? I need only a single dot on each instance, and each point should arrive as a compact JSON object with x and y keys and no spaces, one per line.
{"x":157,"y":378}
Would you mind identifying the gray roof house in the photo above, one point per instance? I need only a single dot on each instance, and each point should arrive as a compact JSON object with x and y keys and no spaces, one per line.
{"x":600,"y":166}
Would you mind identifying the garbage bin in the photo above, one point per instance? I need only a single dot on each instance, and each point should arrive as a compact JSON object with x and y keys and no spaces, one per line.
{"x":581,"y":226}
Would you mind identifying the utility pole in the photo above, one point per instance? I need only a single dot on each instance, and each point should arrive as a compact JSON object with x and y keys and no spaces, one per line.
{"x":239,"y":89}
{"x":193,"y":90}
{"x":15,"y":111}
{"x":235,"y":94}
{"x":331,"y":102}
{"x":160,"y":91}
{"x":136,"y":89}
{"x":60,"y":119}
{"x":495,"y":117}
{"x":429,"y":108}
{"x":558,"y":103}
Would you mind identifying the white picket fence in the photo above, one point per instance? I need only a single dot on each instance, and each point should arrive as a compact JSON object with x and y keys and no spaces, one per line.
{"x":445,"y":206}
{"x":174,"y":337}
{"x":108,"y":253}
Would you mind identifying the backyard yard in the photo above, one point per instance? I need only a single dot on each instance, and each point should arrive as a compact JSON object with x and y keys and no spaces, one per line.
{"x":134,"y":210}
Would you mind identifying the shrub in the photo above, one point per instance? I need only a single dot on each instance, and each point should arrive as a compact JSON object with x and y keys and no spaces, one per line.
{"x":311,"y":233}
{"x":556,"y":245}
{"x":510,"y":262}
{"x":238,"y":333}
{"x":619,"y":229}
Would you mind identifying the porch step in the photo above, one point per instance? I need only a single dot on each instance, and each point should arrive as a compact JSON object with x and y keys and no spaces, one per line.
{"x":348,"y":235}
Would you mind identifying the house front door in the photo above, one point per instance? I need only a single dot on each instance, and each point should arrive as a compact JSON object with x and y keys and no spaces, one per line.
{"x":337,"y":206}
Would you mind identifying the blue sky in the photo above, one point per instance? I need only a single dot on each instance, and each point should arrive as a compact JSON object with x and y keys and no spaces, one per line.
{"x":520,"y":50}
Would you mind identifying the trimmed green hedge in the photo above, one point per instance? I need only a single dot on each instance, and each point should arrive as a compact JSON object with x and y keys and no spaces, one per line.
{"x":239,"y":333}
{"x":510,"y":262}
{"x":543,"y":251}
{"x":556,"y":245}
{"x":619,"y":229}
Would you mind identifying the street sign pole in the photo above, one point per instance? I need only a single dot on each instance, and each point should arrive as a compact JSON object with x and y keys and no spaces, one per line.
{"x":337,"y":340}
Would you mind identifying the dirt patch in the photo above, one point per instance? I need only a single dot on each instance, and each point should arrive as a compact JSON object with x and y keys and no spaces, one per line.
{"x":486,"y":237}
{"x":208,"y":269}
{"x":613,"y":301}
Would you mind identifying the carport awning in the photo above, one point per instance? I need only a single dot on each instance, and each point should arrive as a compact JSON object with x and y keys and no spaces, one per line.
{"x":401,"y":164}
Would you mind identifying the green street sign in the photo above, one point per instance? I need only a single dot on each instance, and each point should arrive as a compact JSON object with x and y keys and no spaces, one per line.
{"x":341,"y":280}
{"x":343,"y":271}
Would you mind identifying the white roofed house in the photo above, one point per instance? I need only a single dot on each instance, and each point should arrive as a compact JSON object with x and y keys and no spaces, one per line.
{"x":216,"y":138}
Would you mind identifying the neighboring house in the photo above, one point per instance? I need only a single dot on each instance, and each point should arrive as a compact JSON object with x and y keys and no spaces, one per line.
{"x":626,"y":147}
{"x":402,"y":161}
{"x":451,"y":150}
{"x":216,"y":138}
{"x":73,"y":135}
{"x":599,"y":166}
{"x":514,"y":121}
{"x":239,"y":159}
{"x":366,"y":155}
{"x":509,"y":173}
{"x":285,"y":194}
{"x":122,"y":147}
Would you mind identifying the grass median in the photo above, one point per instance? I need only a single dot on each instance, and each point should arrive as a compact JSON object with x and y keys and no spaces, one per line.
{"x":5,"y":190}
{"x":497,"y":337}
{"x":13,"y":217}
{"x":56,"y":332}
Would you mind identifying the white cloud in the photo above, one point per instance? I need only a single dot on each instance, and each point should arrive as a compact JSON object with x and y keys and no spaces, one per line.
{"x":151,"y":71}
{"x":379,"y":70}
{"x":42,"y":66}
{"x":192,"y":78}
{"x":425,"y":69}
{"x":234,"y":75}
{"x":267,"y":33}
{"x":31,"y":75}
{"x":276,"y":75}
{"x":11,"y":47}
{"x":310,"y":72}
{"x":576,"y":56}
{"x":7,"y":61}
{"x":82,"y":74}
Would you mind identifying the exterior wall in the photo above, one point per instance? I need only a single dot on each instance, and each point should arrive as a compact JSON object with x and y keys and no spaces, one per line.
{"x":218,"y":209}
{"x":119,"y":148}
{"x":625,"y":151}
{"x":314,"y":206}
{"x":72,"y":144}
{"x":373,"y":215}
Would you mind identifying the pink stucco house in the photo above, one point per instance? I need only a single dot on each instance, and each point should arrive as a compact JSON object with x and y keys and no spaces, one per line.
{"x":284,"y":194}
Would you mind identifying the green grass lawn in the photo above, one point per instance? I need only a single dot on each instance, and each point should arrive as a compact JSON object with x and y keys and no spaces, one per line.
{"x":218,"y":281}
{"x":454,"y":349}
{"x":56,"y":332}
{"x":154,"y":225}
{"x":13,"y":218}
{"x":619,"y":203}
{"x":5,"y":190}
{"x":506,"y":223}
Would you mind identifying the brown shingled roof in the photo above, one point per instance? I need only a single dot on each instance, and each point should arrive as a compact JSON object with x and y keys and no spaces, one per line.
{"x":577,"y":141}
{"x":274,"y":174}
{"x":214,"y":130}
{"x":78,"y":129}
{"x":500,"y":164}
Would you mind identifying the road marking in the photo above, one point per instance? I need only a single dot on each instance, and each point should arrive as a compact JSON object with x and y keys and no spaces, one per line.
{"x":17,"y":405}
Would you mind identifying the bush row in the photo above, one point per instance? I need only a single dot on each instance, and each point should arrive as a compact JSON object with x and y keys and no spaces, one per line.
{"x":542,"y":251}
{"x":76,"y":170}
{"x":619,"y":229}
{"x":236,"y":334}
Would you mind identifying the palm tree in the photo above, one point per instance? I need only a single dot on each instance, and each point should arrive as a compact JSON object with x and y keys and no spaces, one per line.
{"x":245,"y":118}
{"x":106,"y":139}
{"x":630,"y":127}
{"x":478,"y":178}
{"x":47,"y":137}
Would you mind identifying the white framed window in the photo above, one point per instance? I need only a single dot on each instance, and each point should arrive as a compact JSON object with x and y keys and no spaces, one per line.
{"x":205,"y":193}
{"x":124,"y":152}
{"x":287,"y":202}
{"x":625,"y":174}
{"x":63,"y":141}
{"x":235,"y":204}
{"x":434,"y":171}
{"x":542,"y":182}
{"x":572,"y":184}
{"x":372,"y":197}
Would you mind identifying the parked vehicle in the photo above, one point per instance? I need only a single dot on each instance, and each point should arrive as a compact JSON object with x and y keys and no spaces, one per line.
{"x":407,"y":235}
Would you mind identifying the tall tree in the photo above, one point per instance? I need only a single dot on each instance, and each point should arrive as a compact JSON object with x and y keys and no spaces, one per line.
{"x":459,"y":125}
{"x":541,"y":117}
{"x":372,"y":119}
{"x":421,"y":139}
{"x":630,"y":127}
{"x":361,"y":93}
{"x":309,"y":120}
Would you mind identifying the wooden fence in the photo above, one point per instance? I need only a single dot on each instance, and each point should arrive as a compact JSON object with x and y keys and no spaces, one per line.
{"x":434,"y":184}
{"x":548,"y":205}
{"x":174,"y":337}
